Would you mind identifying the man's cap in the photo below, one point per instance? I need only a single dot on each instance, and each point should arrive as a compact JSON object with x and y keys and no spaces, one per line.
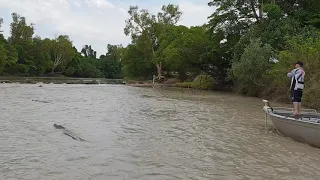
{"x":300,"y":63}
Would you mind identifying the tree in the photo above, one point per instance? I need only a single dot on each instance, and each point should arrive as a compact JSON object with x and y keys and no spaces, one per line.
{"x":21,"y":40}
{"x":1,"y":21}
{"x":3,"y":57}
{"x":20,"y":31}
{"x":62,"y":51}
{"x":249,"y":71}
{"x":235,"y":16}
{"x":169,"y":15}
{"x":136,"y":64}
{"x":8,"y":54}
{"x":231,"y":20}
{"x":3,"y":54}
{"x":145,"y":27}
{"x":180,"y":49}
{"x":25,"y":54}
{"x":306,"y":12}
{"x":87,"y":51}
{"x":42,"y":58}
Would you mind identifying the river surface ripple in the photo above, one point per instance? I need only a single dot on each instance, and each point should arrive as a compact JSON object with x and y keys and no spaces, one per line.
{"x":141,"y":133}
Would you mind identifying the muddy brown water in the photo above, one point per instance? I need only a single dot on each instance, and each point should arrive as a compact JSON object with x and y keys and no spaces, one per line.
{"x":142,"y":133}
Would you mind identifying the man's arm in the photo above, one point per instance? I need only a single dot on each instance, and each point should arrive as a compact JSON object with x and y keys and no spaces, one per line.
{"x":292,"y":73}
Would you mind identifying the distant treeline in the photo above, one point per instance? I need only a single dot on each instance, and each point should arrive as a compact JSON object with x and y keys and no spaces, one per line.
{"x":246,"y":46}
{"x":24,"y":54}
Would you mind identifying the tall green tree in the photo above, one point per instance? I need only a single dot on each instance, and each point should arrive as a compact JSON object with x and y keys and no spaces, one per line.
{"x":135,"y":64}
{"x":111,"y":63}
{"x":235,"y":16}
{"x":144,"y":27}
{"x":42,"y":57}
{"x":62,"y":52}
{"x":21,"y":39}
{"x":254,"y":63}
{"x":3,"y":56}
{"x":181,"y":47}
{"x":8,"y":54}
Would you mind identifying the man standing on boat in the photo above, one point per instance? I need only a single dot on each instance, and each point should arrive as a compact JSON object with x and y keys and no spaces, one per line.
{"x":297,"y":85}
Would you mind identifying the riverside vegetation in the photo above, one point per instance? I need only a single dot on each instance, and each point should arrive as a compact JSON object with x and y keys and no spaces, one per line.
{"x":247,"y":46}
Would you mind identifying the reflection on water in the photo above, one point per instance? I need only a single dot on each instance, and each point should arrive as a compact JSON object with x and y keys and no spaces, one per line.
{"x":137,"y":133}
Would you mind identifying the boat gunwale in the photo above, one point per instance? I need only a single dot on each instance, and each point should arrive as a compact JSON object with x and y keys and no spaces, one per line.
{"x":271,"y":113}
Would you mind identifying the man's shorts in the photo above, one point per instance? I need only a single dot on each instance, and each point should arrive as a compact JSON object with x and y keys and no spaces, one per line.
{"x":296,"y":95}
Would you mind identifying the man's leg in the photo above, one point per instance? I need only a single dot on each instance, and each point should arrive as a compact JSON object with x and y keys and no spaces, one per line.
{"x":299,"y":107}
{"x":299,"y":100}
{"x":296,"y":108}
{"x":297,"y":95}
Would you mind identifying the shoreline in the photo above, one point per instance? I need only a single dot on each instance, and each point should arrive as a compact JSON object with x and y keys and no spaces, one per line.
{"x":151,"y":85}
{"x":192,"y":91}
{"x":57,"y":80}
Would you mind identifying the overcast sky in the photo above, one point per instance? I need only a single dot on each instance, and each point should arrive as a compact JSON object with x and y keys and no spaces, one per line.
{"x":93,"y":22}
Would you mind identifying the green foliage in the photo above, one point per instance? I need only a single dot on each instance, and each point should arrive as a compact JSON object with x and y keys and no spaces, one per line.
{"x":25,"y":55}
{"x":21,"y":40}
{"x":87,"y":51}
{"x":41,"y":54}
{"x":304,"y":48}
{"x":62,"y":52}
{"x":271,"y":31}
{"x":306,"y":12}
{"x":90,"y":70}
{"x":145,"y":29}
{"x":135,"y":64}
{"x":8,"y":54}
{"x":273,"y":11}
{"x":180,"y":48}
{"x":70,"y":71}
{"x":3,"y":57}
{"x":248,"y":72}
{"x":111,"y":64}
{"x":84,"y":67}
{"x":204,"y":82}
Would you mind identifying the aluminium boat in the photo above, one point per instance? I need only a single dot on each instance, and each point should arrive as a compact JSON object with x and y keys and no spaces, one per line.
{"x":303,"y":128}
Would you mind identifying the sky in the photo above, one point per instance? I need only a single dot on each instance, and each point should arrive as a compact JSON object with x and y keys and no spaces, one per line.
{"x":93,"y":22}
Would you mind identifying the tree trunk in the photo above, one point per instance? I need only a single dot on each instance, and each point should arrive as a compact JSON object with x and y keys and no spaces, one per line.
{"x":57,"y":61}
{"x":159,"y":70}
{"x":260,"y":9}
{"x":253,"y":8}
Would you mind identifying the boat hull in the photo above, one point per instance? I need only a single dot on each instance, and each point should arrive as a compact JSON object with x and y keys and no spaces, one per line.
{"x":298,"y":130}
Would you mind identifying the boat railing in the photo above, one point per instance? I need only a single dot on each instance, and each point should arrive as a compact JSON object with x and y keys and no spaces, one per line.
{"x":292,"y":109}
{"x":266,"y":102}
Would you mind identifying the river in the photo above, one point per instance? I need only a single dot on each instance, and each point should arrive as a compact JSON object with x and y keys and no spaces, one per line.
{"x":142,"y":133}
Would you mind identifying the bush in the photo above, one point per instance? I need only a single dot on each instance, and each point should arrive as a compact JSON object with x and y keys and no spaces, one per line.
{"x":248,"y":73}
{"x":70,"y":71}
{"x":204,"y":82}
